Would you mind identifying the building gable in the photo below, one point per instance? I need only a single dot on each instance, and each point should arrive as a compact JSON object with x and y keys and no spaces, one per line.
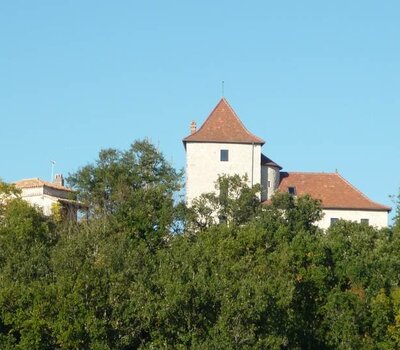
{"x":223,"y":125}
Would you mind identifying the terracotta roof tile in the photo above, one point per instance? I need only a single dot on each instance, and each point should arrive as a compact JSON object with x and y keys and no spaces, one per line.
{"x":36,"y":182}
{"x":223,"y":125}
{"x":332,"y":189}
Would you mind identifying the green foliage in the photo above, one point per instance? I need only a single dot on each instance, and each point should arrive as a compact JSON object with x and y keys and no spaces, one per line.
{"x":232,"y":203}
{"x":396,"y":219}
{"x":8,"y":190}
{"x":242,"y":276}
{"x":26,"y":240}
{"x":7,"y":193}
{"x":134,"y":189}
{"x":298,"y":212}
{"x":56,"y":212}
{"x":116,"y":175}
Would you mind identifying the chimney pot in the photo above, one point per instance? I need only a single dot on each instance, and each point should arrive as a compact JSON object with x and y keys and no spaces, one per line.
{"x":193,"y":127}
{"x":59,"y":180}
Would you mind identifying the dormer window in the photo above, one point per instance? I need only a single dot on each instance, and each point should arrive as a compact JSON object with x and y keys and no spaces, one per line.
{"x":224,"y":155}
{"x":292,"y":190}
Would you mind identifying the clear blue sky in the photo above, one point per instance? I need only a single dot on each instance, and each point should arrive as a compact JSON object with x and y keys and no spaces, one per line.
{"x":318,"y":80}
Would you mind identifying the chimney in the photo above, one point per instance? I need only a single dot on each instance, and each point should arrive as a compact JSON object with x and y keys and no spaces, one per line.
{"x":193,"y":127}
{"x":58,"y":180}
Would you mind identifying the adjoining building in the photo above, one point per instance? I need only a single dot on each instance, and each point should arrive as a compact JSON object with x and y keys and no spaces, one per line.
{"x":223,"y":146}
{"x":50,"y":195}
{"x":340,"y":199}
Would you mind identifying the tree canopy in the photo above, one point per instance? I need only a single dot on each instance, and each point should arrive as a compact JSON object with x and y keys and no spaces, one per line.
{"x":133,"y":189}
{"x":236,"y":275}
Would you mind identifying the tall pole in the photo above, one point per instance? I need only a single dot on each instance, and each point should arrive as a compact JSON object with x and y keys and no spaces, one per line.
{"x":52,"y":169}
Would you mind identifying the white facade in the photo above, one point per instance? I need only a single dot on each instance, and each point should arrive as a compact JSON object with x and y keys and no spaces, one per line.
{"x":270,"y":176}
{"x":43,"y":197}
{"x":375,"y":218}
{"x":44,"y":202}
{"x":273,"y":179}
{"x":204,"y":165}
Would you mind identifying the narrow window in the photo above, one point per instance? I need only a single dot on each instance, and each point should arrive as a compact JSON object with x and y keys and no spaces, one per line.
{"x":292,"y":190}
{"x":269,"y":183}
{"x":334,"y":220}
{"x":224,"y":155}
{"x":365,"y":221}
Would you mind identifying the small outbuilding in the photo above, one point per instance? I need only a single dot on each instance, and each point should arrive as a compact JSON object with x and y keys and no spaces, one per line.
{"x":50,"y":196}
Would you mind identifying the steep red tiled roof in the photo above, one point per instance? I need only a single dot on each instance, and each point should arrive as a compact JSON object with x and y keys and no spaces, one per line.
{"x":332,"y":189}
{"x":36,"y":182}
{"x":223,"y":125}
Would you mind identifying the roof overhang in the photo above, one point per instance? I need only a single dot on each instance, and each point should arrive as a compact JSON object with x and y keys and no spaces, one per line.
{"x":388,"y":209}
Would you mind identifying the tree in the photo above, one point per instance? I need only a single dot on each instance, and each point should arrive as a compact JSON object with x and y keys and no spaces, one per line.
{"x":134,"y":189}
{"x":298,"y":212}
{"x":244,"y":276}
{"x":234,"y":202}
{"x":396,"y":219}
{"x":26,"y":239}
{"x":7,"y":193}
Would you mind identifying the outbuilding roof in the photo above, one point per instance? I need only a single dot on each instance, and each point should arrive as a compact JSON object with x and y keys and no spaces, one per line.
{"x":36,"y":182}
{"x":332,"y":189}
{"x":223,"y":125}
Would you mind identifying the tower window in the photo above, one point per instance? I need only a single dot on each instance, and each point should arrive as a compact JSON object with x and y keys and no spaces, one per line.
{"x":224,"y":155}
{"x":292,"y":190}
{"x":365,"y":221}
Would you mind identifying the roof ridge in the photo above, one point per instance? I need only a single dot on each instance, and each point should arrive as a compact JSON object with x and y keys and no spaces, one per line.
{"x":209,"y":116}
{"x":30,"y":178}
{"x":310,"y":173}
{"x":237,"y":117}
{"x":40,"y":183}
{"x":223,"y":125}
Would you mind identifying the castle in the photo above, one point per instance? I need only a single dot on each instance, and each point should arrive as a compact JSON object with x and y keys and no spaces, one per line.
{"x":223,"y":145}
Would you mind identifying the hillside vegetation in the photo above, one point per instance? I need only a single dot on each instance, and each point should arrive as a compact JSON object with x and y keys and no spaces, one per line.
{"x":143,"y":271}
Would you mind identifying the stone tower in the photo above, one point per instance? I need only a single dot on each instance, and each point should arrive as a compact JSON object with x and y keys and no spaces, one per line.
{"x":221,"y":146}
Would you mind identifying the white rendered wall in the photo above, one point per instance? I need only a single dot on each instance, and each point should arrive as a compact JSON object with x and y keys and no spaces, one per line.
{"x":203,"y":165}
{"x":376,"y":218}
{"x":38,"y":196}
{"x":274,"y":179}
{"x":29,"y":192}
{"x":42,"y":201}
{"x":272,"y":175}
